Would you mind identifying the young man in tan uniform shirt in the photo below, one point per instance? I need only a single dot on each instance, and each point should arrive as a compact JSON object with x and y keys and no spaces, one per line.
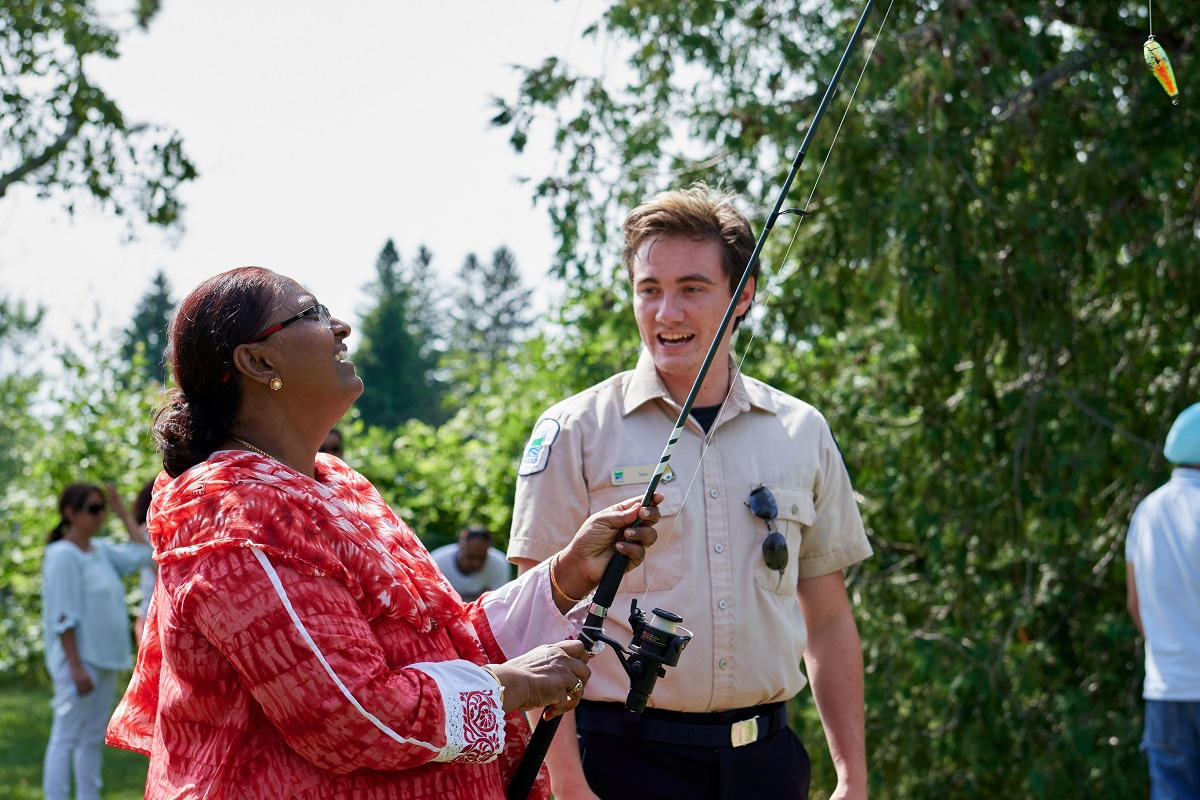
{"x":716,"y":725}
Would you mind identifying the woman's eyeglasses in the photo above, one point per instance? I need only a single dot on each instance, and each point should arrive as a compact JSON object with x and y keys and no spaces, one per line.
{"x":94,"y":508}
{"x":774,"y":548}
{"x":322,"y":316}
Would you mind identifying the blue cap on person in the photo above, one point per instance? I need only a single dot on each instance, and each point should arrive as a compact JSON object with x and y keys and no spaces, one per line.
{"x":1183,"y":441}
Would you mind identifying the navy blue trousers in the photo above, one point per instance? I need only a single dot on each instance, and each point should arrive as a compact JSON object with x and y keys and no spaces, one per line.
{"x":774,"y":768}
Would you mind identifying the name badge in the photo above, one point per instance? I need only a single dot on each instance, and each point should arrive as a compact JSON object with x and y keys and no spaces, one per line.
{"x":640,"y":474}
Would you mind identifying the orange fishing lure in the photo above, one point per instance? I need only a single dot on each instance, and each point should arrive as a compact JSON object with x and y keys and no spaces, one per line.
{"x":1156,"y":59}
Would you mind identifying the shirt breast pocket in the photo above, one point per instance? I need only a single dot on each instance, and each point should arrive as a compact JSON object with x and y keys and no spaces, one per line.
{"x":663,"y":567}
{"x":795,"y":511}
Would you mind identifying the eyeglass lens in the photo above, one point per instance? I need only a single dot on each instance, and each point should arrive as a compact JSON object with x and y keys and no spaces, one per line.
{"x":94,"y":508}
{"x":774,"y":548}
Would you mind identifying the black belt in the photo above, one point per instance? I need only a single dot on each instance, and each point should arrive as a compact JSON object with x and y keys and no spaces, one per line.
{"x":695,"y":730}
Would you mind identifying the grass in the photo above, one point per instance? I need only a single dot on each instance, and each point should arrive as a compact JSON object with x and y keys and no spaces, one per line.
{"x":24,"y":730}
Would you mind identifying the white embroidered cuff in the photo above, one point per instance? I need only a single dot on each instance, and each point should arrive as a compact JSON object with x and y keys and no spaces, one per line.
{"x":474,"y":717}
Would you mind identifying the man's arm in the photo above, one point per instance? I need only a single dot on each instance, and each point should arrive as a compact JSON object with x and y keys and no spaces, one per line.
{"x":567,"y":781}
{"x":835,"y":670}
{"x":1131,"y":598}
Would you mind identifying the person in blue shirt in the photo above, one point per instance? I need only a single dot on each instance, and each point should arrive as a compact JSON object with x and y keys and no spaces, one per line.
{"x":1162,"y":553}
{"x":86,"y":625}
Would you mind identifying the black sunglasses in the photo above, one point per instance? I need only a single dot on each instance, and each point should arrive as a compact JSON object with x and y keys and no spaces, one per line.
{"x":94,"y":508}
{"x":335,"y":450}
{"x":774,"y":548}
{"x":322,"y":316}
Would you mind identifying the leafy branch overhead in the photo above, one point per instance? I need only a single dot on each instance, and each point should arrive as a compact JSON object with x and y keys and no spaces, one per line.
{"x":62,"y":134}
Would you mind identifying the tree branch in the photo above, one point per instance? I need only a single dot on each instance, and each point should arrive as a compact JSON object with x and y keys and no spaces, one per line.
{"x":53,"y":150}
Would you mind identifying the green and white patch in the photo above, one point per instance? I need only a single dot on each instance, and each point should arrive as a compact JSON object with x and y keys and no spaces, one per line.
{"x":537,"y":452}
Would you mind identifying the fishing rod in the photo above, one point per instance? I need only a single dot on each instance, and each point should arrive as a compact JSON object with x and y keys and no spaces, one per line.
{"x":659,"y":643}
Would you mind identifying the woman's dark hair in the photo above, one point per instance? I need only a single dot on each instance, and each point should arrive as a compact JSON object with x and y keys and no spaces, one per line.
{"x":223,"y":312}
{"x":74,"y":497}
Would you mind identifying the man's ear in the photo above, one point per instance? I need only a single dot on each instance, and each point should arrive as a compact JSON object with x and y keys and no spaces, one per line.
{"x":747,"y":297}
{"x":254,"y":362}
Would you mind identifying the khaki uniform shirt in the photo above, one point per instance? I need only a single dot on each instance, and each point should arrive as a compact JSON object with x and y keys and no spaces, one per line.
{"x":601,"y":446}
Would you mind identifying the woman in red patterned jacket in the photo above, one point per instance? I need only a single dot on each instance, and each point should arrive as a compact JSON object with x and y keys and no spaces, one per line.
{"x":301,"y":642}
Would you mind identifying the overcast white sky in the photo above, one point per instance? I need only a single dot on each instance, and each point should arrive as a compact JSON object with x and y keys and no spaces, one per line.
{"x":319,"y":130}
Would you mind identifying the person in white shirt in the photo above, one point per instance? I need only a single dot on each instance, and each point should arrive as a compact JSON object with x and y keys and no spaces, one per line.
{"x":1162,"y":553}
{"x":471,"y":564}
{"x":86,"y":624}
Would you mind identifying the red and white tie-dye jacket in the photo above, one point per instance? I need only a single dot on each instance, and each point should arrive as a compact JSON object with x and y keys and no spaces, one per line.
{"x":302,"y":644}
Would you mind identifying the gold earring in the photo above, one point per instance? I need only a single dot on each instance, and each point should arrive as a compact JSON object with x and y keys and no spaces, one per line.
{"x":276,"y":383}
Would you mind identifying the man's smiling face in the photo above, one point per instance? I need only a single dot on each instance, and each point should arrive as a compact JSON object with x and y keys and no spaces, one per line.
{"x":681,"y":292}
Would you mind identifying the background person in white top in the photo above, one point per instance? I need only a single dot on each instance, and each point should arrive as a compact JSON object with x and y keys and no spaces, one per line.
{"x":1163,"y":585}
{"x":471,"y":564}
{"x":86,"y":623}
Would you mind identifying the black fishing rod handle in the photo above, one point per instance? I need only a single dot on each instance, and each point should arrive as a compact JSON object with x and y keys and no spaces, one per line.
{"x":543,"y":734}
{"x":610,"y":582}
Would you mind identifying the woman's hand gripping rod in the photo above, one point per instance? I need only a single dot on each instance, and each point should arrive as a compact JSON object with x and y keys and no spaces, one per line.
{"x":655,"y":645}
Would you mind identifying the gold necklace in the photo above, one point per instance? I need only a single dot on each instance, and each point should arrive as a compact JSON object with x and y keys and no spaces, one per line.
{"x":249,"y":446}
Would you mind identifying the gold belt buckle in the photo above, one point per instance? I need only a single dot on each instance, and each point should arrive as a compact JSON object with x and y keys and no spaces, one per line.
{"x":744,"y":732}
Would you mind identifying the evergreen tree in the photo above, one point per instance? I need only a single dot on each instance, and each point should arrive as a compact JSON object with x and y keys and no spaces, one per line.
{"x":492,"y":311}
{"x":397,"y":356}
{"x":428,"y":302}
{"x":148,"y":333}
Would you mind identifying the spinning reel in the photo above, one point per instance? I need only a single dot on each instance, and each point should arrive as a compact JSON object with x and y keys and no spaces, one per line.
{"x":655,"y":645}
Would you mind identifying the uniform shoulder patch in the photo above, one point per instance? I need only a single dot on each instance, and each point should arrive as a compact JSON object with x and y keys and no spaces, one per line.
{"x":537,"y":452}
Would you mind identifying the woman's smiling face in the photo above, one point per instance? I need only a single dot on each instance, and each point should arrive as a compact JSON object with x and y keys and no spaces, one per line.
{"x":310,"y":353}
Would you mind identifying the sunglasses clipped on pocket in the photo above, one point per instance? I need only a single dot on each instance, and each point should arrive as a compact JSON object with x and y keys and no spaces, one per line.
{"x":774,"y":547}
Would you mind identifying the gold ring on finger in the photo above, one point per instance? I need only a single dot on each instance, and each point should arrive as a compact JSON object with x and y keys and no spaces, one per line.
{"x":577,"y":688}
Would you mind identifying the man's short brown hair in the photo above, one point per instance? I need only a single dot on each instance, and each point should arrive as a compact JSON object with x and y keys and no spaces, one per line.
{"x":697,"y":213}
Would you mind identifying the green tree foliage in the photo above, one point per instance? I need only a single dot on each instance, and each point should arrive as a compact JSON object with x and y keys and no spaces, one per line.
{"x":398,"y":353}
{"x":90,"y":426}
{"x":148,"y":333}
{"x":18,"y":388}
{"x":20,"y":433}
{"x":996,"y":305}
{"x":61,"y":133}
